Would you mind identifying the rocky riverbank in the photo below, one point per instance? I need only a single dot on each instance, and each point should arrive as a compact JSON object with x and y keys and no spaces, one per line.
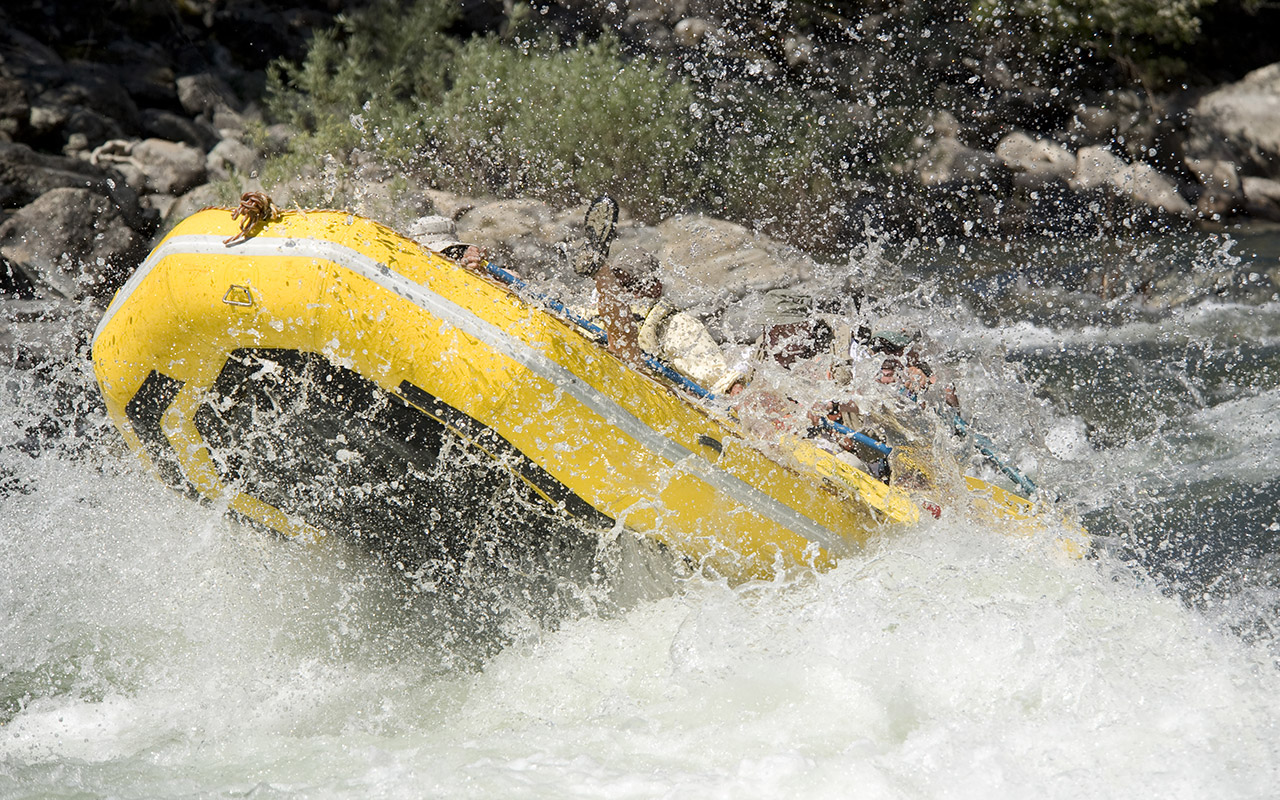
{"x":112,"y":130}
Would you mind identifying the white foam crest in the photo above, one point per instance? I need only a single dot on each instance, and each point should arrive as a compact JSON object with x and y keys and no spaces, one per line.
{"x":1221,"y":321}
{"x":1237,"y":439}
{"x":953,"y":661}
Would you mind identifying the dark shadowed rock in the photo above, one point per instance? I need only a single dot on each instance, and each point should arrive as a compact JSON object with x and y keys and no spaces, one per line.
{"x":26,"y":175}
{"x":203,"y":93}
{"x":1261,"y":198}
{"x":72,"y":241}
{"x":161,"y":124}
{"x":15,"y":108}
{"x":94,"y":86}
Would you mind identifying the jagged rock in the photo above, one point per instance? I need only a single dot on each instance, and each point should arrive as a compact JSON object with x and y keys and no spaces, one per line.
{"x":1039,"y":158}
{"x":15,"y":108}
{"x":1261,"y":198}
{"x":203,"y":93}
{"x":1221,"y":191}
{"x":709,"y":263}
{"x":228,"y":157}
{"x":1140,"y":183}
{"x":1241,"y":123}
{"x":170,"y":167}
{"x":161,"y":124}
{"x":949,"y":162}
{"x":73,"y":241}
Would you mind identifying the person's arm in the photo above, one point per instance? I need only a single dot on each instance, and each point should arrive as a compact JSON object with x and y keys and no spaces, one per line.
{"x":619,"y":321}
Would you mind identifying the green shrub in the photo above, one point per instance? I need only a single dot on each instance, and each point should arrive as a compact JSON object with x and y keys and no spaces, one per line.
{"x":566,"y":124}
{"x":362,"y":84}
{"x":1143,"y":36}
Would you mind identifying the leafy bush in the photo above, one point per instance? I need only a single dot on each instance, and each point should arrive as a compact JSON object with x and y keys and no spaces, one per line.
{"x":1143,"y":36}
{"x":362,"y":83}
{"x":566,"y":124}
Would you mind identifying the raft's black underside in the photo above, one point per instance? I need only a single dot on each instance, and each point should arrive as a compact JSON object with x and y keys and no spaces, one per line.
{"x":402,"y":472}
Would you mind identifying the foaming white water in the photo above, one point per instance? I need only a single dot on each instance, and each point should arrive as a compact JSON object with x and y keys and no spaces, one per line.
{"x":1257,"y":323}
{"x":149,"y":648}
{"x":1237,"y":439}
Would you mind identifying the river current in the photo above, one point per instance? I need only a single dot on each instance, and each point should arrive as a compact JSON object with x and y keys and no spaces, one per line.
{"x":152,"y":647}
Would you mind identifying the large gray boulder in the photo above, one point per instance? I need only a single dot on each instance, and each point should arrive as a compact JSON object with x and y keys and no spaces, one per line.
{"x":169,"y":167}
{"x":1039,"y":158}
{"x":1221,"y":192}
{"x":230,"y":157}
{"x":1139,"y":182}
{"x":1241,"y":122}
{"x":709,"y":263}
{"x":948,"y":161}
{"x":26,"y":175}
{"x":520,"y":233}
{"x":74,"y":242}
{"x":203,"y":93}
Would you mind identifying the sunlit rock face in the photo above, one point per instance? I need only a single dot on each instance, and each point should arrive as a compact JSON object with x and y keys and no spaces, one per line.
{"x":1240,"y":122}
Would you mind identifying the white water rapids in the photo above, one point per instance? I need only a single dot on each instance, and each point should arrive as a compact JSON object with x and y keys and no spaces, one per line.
{"x":150,"y":647}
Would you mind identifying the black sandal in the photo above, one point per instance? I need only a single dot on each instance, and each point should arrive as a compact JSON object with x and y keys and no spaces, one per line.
{"x":602,"y":225}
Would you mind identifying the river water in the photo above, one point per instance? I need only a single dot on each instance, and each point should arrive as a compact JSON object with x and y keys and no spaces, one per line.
{"x":151,"y":647}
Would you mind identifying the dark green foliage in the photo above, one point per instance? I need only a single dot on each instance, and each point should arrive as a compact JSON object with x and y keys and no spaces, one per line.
{"x":564,"y":124}
{"x":1145,"y":37}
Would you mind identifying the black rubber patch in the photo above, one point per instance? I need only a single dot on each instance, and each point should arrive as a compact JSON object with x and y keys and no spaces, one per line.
{"x":144,"y":411}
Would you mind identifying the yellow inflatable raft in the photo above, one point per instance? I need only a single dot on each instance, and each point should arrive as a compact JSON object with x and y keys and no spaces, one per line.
{"x":249,"y":373}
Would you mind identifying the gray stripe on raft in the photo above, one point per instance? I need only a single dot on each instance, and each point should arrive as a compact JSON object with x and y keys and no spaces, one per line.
{"x":499,"y":340}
